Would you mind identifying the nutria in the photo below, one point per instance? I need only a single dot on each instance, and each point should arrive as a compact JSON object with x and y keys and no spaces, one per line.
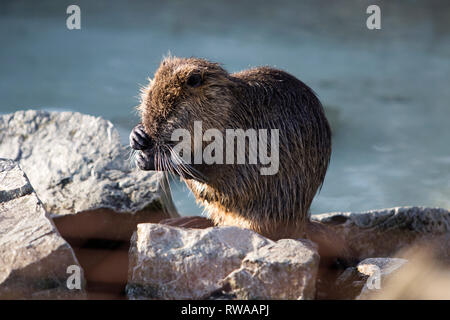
{"x":185,"y":90}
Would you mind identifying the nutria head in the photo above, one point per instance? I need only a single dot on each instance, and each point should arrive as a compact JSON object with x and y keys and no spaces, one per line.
{"x":182,"y":91}
{"x":186,"y":90}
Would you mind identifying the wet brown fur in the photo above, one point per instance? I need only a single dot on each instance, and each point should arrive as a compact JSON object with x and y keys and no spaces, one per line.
{"x":276,"y":206}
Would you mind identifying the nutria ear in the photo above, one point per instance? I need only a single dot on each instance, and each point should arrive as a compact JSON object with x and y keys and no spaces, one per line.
{"x":194,"y":80}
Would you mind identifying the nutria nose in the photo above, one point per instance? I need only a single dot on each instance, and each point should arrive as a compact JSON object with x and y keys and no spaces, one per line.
{"x":139,"y":140}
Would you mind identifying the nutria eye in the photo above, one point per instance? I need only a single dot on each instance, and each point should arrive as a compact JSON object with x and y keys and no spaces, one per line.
{"x":194,"y":80}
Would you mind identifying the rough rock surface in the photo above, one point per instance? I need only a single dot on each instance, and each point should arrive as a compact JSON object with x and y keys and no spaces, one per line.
{"x":174,"y":263}
{"x":76,"y":163}
{"x":286,"y":269}
{"x":33,"y":256}
{"x":368,"y":277}
{"x":423,"y":277}
{"x":377,"y":270}
{"x":382,"y":233}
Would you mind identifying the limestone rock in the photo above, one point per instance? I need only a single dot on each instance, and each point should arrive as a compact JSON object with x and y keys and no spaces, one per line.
{"x":33,"y":256}
{"x":76,"y":163}
{"x":174,"y":263}
{"x":368,"y":277}
{"x":382,"y":233}
{"x":377,"y":271}
{"x":423,"y":277}
{"x":349,"y":283}
{"x":286,"y":269}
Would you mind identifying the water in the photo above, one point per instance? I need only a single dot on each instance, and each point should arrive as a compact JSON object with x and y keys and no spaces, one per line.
{"x":386,"y":92}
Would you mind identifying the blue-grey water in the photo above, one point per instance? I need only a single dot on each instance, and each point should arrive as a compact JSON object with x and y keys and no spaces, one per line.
{"x":386,"y":92}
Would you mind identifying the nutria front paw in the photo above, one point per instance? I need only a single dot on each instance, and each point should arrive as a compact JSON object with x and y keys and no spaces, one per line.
{"x":145,"y":161}
{"x":139,"y":140}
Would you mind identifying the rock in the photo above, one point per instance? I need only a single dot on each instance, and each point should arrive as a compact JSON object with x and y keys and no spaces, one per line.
{"x":82,"y":174}
{"x":377,"y":270}
{"x":174,"y":263}
{"x":33,"y":256}
{"x":350,"y":283}
{"x":76,"y":163}
{"x":423,"y":277}
{"x":286,"y":269}
{"x":367,"y":278}
{"x":383,"y":233}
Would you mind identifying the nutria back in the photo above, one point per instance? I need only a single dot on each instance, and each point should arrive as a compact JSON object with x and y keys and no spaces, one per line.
{"x":186,"y":90}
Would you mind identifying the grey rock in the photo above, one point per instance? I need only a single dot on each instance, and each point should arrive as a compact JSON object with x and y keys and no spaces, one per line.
{"x":286,"y":269}
{"x":377,"y":270}
{"x":384,"y":265}
{"x":33,"y":256}
{"x":368,"y":277}
{"x":76,"y":163}
{"x":174,"y":263}
{"x":382,"y":233}
{"x":423,"y":277}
